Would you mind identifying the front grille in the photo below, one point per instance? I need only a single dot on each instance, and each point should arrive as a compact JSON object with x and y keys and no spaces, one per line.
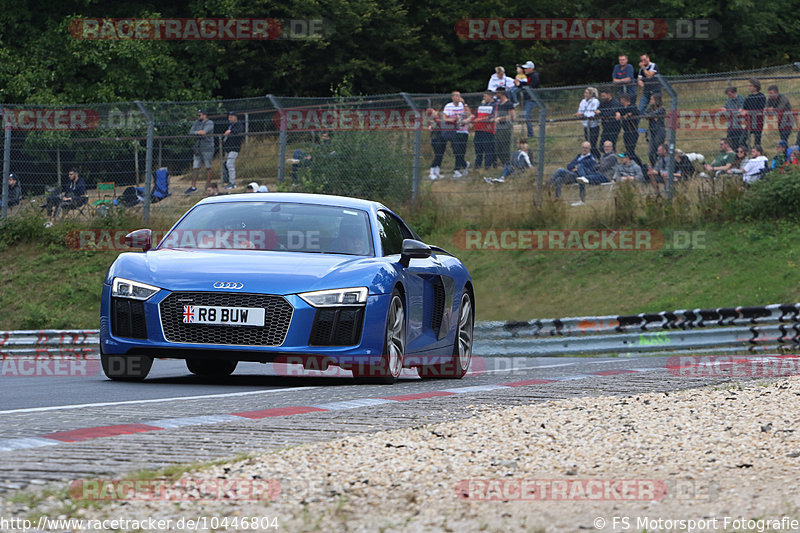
{"x":337,"y":326}
{"x":127,"y":318}
{"x":438,"y":305}
{"x":278,"y":315}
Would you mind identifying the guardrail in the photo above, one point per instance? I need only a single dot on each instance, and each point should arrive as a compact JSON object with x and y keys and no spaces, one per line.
{"x":769,"y":327}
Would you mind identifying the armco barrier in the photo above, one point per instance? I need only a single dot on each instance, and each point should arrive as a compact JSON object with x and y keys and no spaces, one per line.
{"x":769,"y":327}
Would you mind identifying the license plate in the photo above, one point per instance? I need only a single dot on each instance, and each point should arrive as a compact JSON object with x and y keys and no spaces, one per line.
{"x":224,"y":316}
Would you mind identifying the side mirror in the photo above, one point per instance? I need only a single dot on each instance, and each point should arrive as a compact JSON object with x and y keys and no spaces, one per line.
{"x":413,"y":249}
{"x":141,"y":238}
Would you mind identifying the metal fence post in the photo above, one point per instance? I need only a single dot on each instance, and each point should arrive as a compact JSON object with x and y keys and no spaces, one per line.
{"x":148,"y":165}
{"x":417,"y":149}
{"x":672,"y":122}
{"x":281,"y":139}
{"x":6,"y":170}
{"x":537,"y":199}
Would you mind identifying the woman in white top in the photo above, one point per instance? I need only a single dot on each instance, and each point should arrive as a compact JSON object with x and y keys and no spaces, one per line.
{"x":587,"y":110}
{"x":758,"y":162}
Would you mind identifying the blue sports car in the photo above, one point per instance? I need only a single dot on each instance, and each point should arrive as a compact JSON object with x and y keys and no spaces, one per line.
{"x":299,"y":278}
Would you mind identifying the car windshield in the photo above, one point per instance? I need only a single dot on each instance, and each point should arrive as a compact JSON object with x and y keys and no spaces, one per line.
{"x":276,"y":226}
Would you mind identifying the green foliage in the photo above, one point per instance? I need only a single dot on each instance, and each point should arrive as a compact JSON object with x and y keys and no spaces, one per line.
{"x":775,"y":196}
{"x":360,"y":164}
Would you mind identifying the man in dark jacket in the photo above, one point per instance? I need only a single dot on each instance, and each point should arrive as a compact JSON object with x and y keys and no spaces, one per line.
{"x":778,"y":103}
{"x":607,"y":111}
{"x":231,"y":145}
{"x":14,"y":191}
{"x":71,"y":196}
{"x":753,"y":109}
{"x":628,"y":115}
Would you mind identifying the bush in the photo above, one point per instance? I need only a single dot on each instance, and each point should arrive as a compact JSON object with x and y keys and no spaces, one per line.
{"x":360,"y":164}
{"x":777,"y":195}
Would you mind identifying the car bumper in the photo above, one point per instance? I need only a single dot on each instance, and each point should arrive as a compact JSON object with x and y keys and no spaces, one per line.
{"x":294,"y":348}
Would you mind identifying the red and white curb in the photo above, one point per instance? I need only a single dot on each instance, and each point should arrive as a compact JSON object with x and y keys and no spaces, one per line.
{"x":86,"y":434}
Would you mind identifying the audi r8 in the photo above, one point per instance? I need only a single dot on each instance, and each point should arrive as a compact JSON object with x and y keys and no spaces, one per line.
{"x":311,"y":279}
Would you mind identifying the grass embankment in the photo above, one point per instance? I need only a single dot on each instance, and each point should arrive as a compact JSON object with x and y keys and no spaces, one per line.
{"x":45,"y":284}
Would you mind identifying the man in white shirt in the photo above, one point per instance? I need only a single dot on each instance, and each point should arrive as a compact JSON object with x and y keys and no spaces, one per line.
{"x":752,"y":169}
{"x":456,"y":117}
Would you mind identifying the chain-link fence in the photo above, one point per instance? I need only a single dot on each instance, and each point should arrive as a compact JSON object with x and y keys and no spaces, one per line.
{"x":400,"y":148}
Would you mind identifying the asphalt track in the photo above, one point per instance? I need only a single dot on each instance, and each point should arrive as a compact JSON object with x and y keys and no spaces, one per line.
{"x":58,"y":428}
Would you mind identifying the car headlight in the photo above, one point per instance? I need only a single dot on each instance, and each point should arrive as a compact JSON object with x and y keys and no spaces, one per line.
{"x":125,"y":288}
{"x":336,"y":297}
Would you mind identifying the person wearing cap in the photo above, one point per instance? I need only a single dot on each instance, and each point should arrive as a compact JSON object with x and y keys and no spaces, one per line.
{"x":203,"y":151}
{"x":231,"y":145}
{"x":780,"y":156}
{"x":778,"y":104}
{"x":627,"y":170}
{"x":14,"y":190}
{"x":532,"y":82}
{"x":254,"y":187}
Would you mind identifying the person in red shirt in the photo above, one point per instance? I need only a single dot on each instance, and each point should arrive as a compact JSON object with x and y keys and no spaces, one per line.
{"x":484,"y":131}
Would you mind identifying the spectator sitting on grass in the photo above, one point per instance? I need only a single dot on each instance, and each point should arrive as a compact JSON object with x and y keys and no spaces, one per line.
{"x":724,"y":160}
{"x":739,"y":161}
{"x":752,"y":169}
{"x":607,"y":161}
{"x":255,"y":187}
{"x":780,"y":156}
{"x":627,"y":170}
{"x":581,"y":170}
{"x":684,"y":168}
{"x":520,"y":161}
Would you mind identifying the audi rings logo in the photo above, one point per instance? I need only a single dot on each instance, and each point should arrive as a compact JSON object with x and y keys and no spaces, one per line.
{"x":228,"y":285}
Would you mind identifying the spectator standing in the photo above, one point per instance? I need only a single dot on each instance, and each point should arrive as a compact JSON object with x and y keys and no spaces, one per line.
{"x":484,"y":131}
{"x":628,"y":116}
{"x":587,"y":111}
{"x":438,"y":142}
{"x":737,"y":131}
{"x":231,"y":145}
{"x":608,"y":109}
{"x":456,"y":117}
{"x":751,"y":171}
{"x":72,"y":195}
{"x":532,"y":82}
{"x":656,"y":129}
{"x":622,"y":76}
{"x":504,"y":130}
{"x":647,"y":81}
{"x":203,"y":129}
{"x":14,"y":191}
{"x":753,"y":110}
{"x":658,"y":172}
{"x":779,"y":104}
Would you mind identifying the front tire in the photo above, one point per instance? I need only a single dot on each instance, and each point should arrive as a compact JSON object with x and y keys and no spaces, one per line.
{"x":457,"y":366}
{"x":126,"y":367}
{"x":211,"y":367}
{"x":394,"y":346}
